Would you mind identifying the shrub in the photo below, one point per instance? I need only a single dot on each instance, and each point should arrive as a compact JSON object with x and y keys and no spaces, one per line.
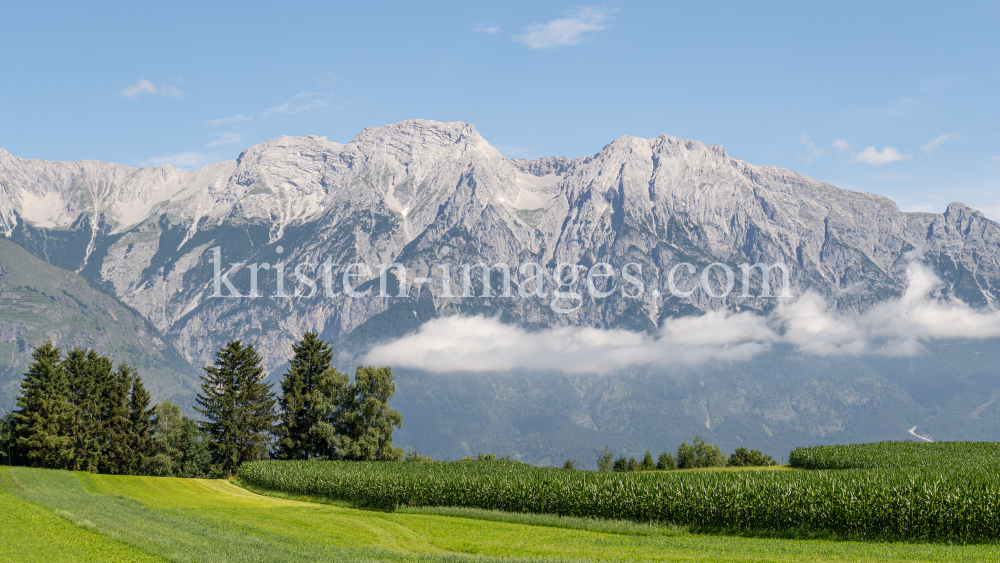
{"x":699,"y":453}
{"x":414,"y":455}
{"x":666,"y":462}
{"x":752,"y":458}
{"x":621,"y":464}
{"x":572,"y":465}
{"x":633,"y":465}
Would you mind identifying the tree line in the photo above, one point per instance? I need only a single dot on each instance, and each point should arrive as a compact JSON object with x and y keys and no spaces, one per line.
{"x":699,"y":453}
{"x":79,"y":412}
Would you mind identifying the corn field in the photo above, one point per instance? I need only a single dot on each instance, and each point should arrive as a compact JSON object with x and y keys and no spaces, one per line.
{"x":900,"y":503}
{"x":885,"y":455}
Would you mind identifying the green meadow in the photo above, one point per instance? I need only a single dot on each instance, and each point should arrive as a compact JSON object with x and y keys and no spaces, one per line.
{"x":65,"y":516}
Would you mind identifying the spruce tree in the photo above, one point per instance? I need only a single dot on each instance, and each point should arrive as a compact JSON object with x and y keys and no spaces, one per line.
{"x":362,"y":424}
{"x":44,"y":412}
{"x":300,"y":403}
{"x":647,"y":463}
{"x":141,"y":421}
{"x":117,"y":452}
{"x":238,"y":406}
{"x":89,"y":377}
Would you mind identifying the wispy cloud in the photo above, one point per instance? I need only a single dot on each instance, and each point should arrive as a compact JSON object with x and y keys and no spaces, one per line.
{"x":878,"y":158}
{"x":897,"y":327}
{"x":189,"y":160}
{"x":301,"y":102}
{"x":171,"y":91}
{"x":225,"y":139}
{"x":143,"y":86}
{"x":929,"y":146}
{"x":891,"y":177}
{"x":487,"y":28}
{"x":841,"y":145}
{"x":995,"y":157}
{"x":565,"y":31}
{"x":811,"y":147}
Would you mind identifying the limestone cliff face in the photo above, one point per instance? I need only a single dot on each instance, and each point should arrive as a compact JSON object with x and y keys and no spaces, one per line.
{"x":426,"y":194}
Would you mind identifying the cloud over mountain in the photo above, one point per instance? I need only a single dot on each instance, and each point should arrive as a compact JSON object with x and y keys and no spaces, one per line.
{"x":896,"y":327}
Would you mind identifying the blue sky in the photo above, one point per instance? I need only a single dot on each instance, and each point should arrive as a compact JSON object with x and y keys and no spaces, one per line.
{"x":891,"y":98}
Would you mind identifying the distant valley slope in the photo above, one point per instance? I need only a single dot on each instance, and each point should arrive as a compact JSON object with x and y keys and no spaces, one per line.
{"x":39,"y":301}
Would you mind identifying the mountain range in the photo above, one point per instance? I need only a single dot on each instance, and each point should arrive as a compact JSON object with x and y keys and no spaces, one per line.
{"x":423,"y":195}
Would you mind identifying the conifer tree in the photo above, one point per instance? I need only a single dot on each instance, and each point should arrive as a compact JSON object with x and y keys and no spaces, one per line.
{"x":141,"y":422}
{"x":238,"y":406}
{"x":117,"y":454}
{"x":647,"y":463}
{"x":89,"y":377}
{"x":300,"y":404}
{"x":363,"y":423}
{"x":45,"y":414}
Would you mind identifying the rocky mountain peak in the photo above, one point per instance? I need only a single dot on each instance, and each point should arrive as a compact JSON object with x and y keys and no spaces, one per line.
{"x":400,"y":192}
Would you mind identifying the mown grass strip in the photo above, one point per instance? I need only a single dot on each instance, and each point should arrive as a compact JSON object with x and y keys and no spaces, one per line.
{"x":30,"y":532}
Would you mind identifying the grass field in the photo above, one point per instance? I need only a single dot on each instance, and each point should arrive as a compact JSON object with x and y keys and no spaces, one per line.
{"x":64,"y":516}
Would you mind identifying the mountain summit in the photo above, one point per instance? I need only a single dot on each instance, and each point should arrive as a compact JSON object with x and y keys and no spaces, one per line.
{"x":421,"y":193}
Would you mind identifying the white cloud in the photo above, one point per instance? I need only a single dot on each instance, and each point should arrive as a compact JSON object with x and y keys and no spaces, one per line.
{"x":878,"y":158}
{"x":841,"y":145}
{"x":897,"y":327}
{"x":189,"y":160}
{"x":487,"y":28}
{"x":301,"y":102}
{"x":483,"y":344}
{"x":996,"y":157}
{"x":929,"y":146}
{"x":171,"y":91}
{"x":141,"y":86}
{"x":564,"y":31}
{"x":811,"y":146}
{"x":225,"y":139}
{"x":231,"y":119}
{"x":891,"y":177}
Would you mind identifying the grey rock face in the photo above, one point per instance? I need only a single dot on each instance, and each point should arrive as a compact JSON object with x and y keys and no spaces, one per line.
{"x":425,"y":194}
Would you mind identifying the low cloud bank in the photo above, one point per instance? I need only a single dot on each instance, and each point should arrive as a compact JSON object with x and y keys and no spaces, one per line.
{"x":896,"y":327}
